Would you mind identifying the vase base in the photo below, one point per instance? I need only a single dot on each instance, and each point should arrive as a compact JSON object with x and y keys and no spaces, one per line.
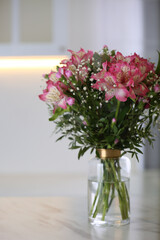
{"x":110,"y":221}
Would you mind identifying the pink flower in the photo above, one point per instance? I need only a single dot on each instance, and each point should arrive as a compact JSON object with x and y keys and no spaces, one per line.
{"x":107,"y":82}
{"x":63,"y":71}
{"x":116,"y":141}
{"x":113,"y":120}
{"x":121,"y":71}
{"x":52,"y":76}
{"x":105,"y":46}
{"x":143,"y":64}
{"x":70,"y":101}
{"x":157,"y":88}
{"x":85,"y":123}
{"x":77,"y":57}
{"x":54,"y":95}
{"x":77,"y":65}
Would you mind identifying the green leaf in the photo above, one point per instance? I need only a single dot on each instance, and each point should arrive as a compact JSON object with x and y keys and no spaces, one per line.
{"x":84,"y":150}
{"x":79,"y":154}
{"x":115,"y":129}
{"x":158,"y":65}
{"x":59,"y":111}
{"x":97,"y":61}
{"x":123,"y":112}
{"x":74,"y":147}
{"x":46,"y":76}
{"x":70,"y":138}
{"x":92,"y":150}
{"x":58,"y":139}
{"x":105,"y":58}
{"x":138,"y":150}
{"x":113,"y":52}
{"x":78,"y":139}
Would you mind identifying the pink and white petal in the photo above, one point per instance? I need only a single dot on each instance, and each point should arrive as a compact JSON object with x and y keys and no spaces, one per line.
{"x":62,"y":103}
{"x":50,"y":84}
{"x":132,"y":94}
{"x":64,"y":61}
{"x":109,"y":94}
{"x":105,"y":66}
{"x":70,"y":101}
{"x":141,"y":89}
{"x":43,"y":96}
{"x":68,"y":73}
{"x":121,"y":94}
{"x":130,"y":83}
{"x":58,"y":75}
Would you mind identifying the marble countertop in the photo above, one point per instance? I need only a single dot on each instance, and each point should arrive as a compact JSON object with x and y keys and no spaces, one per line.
{"x":65,"y":217}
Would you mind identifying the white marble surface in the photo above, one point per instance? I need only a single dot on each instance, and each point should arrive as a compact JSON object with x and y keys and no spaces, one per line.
{"x":65,"y":217}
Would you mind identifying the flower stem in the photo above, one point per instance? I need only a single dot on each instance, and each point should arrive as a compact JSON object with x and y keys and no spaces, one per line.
{"x":117,"y":109}
{"x":105,"y":192}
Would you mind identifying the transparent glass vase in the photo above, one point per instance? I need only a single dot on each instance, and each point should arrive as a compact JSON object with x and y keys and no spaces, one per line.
{"x":108,"y":189}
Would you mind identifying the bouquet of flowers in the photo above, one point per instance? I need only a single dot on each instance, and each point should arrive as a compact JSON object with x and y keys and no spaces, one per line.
{"x":104,"y":101}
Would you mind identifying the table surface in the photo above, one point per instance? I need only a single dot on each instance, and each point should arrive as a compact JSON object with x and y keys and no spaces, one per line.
{"x":62,"y":218}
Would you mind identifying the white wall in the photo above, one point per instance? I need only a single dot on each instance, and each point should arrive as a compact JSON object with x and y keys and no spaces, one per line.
{"x":118,"y":24}
{"x":26,"y":141}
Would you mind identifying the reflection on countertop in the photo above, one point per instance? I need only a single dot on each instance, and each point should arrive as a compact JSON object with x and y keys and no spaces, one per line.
{"x":62,"y":214}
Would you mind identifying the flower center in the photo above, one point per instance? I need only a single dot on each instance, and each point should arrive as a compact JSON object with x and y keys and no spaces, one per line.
{"x":53,"y":95}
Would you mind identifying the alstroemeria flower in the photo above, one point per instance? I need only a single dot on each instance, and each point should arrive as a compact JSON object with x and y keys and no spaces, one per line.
{"x":53,"y":95}
{"x":77,"y":57}
{"x":77,"y":65}
{"x":52,"y":76}
{"x":111,"y":87}
{"x":122,"y":73}
{"x":63,"y":71}
{"x":139,"y":62}
{"x":139,"y":88}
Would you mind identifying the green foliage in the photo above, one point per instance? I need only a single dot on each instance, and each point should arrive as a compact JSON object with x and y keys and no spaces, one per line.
{"x":59,"y":111}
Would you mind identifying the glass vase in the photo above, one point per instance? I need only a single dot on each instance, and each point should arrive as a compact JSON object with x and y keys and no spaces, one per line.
{"x":108,"y":189}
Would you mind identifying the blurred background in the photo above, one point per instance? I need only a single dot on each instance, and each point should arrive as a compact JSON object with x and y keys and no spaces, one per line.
{"x":34,"y":36}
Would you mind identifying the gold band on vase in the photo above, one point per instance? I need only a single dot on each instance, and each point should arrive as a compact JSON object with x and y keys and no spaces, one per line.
{"x":109,"y":153}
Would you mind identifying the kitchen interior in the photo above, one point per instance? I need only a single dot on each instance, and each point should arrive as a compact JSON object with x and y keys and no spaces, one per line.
{"x":34,"y":38}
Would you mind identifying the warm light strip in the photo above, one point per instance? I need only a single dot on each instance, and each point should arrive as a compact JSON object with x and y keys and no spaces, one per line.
{"x":30,"y":62}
